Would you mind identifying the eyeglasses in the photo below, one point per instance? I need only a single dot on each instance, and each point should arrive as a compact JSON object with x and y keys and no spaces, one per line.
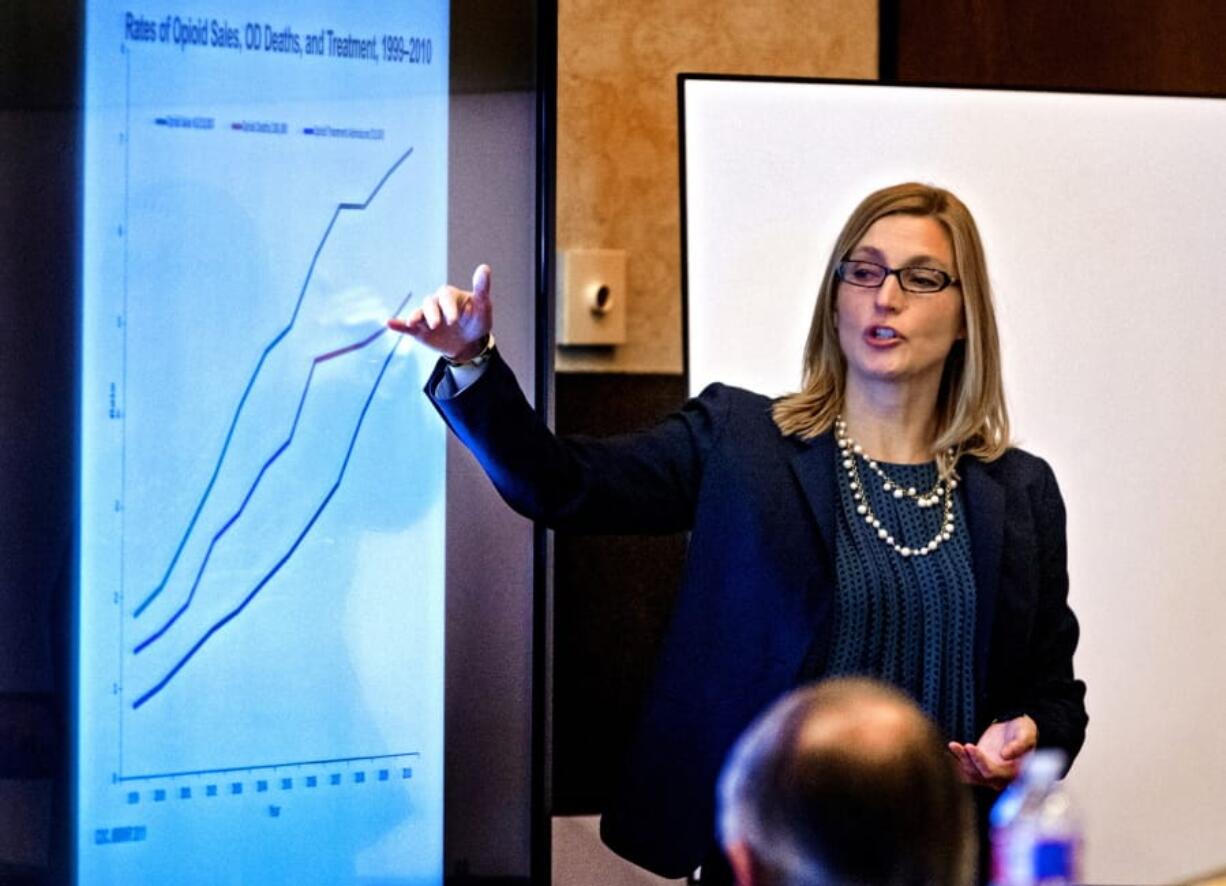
{"x":870,"y":275}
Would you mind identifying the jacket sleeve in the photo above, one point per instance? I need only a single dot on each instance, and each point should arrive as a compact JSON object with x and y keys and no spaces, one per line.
{"x":1053,"y":696}
{"x":643,"y":482}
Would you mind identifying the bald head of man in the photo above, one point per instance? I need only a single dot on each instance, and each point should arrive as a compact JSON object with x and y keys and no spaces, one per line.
{"x":845,"y":782}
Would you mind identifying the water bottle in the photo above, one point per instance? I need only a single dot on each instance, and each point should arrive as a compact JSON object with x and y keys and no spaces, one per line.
{"x":1010,"y":832}
{"x":1057,"y":850}
{"x":1036,"y":835}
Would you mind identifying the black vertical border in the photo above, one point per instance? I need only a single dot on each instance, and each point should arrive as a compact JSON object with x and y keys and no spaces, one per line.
{"x":540,"y":829}
{"x":888,"y":14}
{"x":62,"y":861}
{"x":684,"y":251}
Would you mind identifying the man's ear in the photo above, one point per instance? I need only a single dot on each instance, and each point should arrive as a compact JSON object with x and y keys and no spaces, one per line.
{"x":744,"y":865}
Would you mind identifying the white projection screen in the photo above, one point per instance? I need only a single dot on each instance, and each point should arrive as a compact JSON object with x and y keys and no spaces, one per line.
{"x":257,"y":686}
{"x":1102,"y":217}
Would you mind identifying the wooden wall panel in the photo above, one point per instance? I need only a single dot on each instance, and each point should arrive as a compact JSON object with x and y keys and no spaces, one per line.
{"x":1137,"y":46}
{"x":617,"y":178}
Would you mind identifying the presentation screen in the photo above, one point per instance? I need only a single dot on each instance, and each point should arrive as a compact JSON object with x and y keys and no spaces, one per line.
{"x":260,"y":673}
{"x":1101,"y":217}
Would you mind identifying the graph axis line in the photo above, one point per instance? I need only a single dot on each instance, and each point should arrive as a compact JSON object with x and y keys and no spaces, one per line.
{"x":259,"y":767}
{"x":123,"y":401}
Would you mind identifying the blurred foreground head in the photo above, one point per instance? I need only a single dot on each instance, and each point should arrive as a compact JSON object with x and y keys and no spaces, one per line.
{"x":845,"y":782}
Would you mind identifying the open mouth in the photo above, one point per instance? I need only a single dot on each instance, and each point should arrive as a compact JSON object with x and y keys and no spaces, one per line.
{"x":883,"y":333}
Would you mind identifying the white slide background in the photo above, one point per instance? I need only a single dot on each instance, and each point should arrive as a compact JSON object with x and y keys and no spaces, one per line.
{"x":1103,"y":218}
{"x":262,"y":598}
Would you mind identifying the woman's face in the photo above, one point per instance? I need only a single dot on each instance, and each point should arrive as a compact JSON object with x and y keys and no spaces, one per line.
{"x":889,"y":335}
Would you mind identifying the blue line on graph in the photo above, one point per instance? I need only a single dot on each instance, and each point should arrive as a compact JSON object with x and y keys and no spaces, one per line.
{"x":315,"y":361}
{"x":340,"y":207}
{"x":161,"y":684}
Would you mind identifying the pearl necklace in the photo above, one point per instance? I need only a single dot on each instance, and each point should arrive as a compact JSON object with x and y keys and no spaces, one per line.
{"x":850,"y":451}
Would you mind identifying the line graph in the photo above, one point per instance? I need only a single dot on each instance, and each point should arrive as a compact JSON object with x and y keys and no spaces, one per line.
{"x":276,"y":469}
{"x":268,"y":487}
{"x":217,"y":536}
{"x":217,"y":626}
{"x":341,"y":207}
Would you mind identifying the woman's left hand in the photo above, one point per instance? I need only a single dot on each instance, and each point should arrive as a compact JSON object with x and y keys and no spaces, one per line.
{"x":994,"y":761}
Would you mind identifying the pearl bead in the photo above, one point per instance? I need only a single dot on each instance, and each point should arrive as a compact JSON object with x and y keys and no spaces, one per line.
{"x":939,"y":494}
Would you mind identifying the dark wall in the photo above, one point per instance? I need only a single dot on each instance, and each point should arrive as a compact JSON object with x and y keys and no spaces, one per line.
{"x":612,"y":596}
{"x":1134,"y":46}
{"x":38,"y":284}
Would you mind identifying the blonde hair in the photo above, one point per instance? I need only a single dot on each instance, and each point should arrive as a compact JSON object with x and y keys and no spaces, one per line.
{"x":971,"y":414}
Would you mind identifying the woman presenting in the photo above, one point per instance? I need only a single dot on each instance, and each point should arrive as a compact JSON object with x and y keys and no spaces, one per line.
{"x":877,"y":522}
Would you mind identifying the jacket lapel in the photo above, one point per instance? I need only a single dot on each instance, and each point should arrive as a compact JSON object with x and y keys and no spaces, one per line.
{"x":813,"y":464}
{"x":984,"y":498}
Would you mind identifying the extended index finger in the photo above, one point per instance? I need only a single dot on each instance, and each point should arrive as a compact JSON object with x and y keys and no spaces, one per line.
{"x":409,"y":325}
{"x":481,"y":284}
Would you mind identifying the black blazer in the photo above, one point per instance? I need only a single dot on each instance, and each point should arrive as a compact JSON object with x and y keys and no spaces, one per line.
{"x":755,"y":610}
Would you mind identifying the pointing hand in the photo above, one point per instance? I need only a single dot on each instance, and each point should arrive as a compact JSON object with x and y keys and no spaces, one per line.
{"x":451,"y":321}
